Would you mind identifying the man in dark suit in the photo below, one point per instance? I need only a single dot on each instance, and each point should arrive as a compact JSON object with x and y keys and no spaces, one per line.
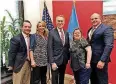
{"x":101,"y":39}
{"x":58,"y":51}
{"x":19,"y":55}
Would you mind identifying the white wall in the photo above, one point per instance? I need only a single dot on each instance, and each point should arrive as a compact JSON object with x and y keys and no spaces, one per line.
{"x":33,"y":10}
{"x":10,"y":6}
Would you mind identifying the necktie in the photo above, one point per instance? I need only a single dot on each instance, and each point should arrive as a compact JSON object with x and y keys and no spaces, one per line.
{"x":91,"y":32}
{"x":62,"y":36}
{"x":28,"y":45}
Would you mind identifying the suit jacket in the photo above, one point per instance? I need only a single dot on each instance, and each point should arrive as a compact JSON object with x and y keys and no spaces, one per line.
{"x":57,"y":52}
{"x":101,"y":43}
{"x":17,"y":52}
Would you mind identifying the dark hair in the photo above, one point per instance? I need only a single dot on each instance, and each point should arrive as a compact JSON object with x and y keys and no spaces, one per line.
{"x":27,"y":22}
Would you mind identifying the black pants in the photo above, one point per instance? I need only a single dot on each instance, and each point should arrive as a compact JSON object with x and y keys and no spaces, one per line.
{"x":39,"y":75}
{"x":58,"y":75}
{"x":82,"y":76}
{"x":99,"y":76}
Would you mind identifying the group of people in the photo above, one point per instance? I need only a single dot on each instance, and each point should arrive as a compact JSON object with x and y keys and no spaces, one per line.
{"x":88,"y":57}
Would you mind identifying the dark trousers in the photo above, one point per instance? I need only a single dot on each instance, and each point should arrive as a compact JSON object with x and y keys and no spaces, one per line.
{"x":58,"y":75}
{"x":99,"y":76}
{"x":82,"y":76}
{"x":39,"y":75}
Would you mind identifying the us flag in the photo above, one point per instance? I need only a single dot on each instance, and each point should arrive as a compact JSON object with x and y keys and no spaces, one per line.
{"x":46,"y":18}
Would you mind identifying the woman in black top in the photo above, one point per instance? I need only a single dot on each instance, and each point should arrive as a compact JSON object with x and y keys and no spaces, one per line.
{"x":80,"y":58}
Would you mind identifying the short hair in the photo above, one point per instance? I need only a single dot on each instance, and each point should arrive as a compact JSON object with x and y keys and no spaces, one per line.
{"x":60,"y":16}
{"x":27,"y":22}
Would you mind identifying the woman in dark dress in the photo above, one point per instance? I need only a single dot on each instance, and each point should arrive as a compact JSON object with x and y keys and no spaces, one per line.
{"x":38,"y":53}
{"x":80,"y":52}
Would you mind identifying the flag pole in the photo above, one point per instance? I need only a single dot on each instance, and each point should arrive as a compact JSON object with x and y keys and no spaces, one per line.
{"x":74,"y":2}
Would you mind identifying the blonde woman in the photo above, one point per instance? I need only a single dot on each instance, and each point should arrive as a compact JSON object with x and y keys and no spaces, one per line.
{"x":38,"y":53}
{"x":80,"y":57}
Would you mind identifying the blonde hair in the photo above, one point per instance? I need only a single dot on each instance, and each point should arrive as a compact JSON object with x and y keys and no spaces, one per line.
{"x":45,"y":30}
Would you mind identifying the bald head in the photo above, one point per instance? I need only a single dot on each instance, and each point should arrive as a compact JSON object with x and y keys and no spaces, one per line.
{"x":95,"y":15}
{"x":95,"y":19}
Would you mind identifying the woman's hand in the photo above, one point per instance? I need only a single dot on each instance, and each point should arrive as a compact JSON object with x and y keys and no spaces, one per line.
{"x":33,"y":64}
{"x":88,"y":65}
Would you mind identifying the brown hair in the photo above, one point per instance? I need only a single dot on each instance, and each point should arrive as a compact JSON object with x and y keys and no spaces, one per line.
{"x":45,"y":30}
{"x":27,"y":22}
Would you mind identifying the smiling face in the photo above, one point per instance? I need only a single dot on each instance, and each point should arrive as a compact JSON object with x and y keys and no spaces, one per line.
{"x":26,"y":28}
{"x":95,"y":19}
{"x":60,"y":21}
{"x":40,"y":27}
{"x":77,"y":34}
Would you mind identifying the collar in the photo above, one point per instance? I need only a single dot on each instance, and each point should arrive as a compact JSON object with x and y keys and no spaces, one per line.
{"x":59,"y":30}
{"x":25,"y":35}
{"x":96,"y":26}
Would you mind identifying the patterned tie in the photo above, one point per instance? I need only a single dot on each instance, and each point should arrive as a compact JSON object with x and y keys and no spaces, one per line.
{"x":62,"y":36}
{"x":28,"y":45}
{"x":91,"y":33}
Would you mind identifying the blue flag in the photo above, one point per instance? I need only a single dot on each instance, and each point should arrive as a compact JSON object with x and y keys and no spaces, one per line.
{"x":46,"y":18}
{"x":73,"y":23}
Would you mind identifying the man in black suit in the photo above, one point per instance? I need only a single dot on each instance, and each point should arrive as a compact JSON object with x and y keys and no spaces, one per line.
{"x":101,"y":39}
{"x":58,"y":50}
{"x":19,"y":55}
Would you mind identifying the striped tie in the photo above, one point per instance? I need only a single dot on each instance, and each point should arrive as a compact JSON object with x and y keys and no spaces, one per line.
{"x":62,"y":36}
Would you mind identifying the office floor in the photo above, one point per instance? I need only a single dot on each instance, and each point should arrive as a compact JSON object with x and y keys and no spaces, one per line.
{"x":68,"y":80}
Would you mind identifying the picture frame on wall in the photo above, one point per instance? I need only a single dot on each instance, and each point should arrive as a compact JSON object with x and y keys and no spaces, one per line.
{"x":110,"y":20}
{"x":109,"y":14}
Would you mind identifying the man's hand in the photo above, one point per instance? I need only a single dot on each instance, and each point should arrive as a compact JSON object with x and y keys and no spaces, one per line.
{"x":54,"y":66}
{"x":100,"y":65}
{"x":10,"y":68}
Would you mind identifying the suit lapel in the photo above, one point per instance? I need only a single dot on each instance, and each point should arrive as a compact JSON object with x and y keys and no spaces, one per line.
{"x":97,"y":30}
{"x":57,"y":33}
{"x":23,"y":41}
{"x":65,"y":37}
{"x":89,"y":30}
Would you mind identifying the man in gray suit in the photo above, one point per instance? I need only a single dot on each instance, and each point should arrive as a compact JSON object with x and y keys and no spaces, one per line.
{"x":19,"y":55}
{"x":58,"y":50}
{"x":101,"y":40}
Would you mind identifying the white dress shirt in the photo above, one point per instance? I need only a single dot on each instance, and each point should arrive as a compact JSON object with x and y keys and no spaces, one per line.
{"x":59,"y":31}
